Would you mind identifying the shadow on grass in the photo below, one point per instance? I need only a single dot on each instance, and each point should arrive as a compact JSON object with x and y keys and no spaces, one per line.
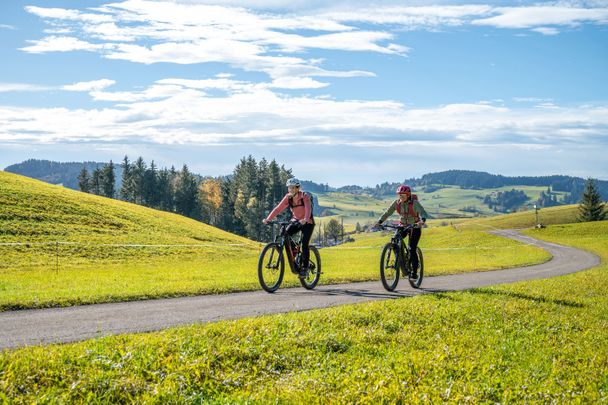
{"x":527,"y":297}
{"x":441,"y":294}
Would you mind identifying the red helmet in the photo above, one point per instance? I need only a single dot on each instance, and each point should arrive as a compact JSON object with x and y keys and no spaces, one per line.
{"x":404,"y":188}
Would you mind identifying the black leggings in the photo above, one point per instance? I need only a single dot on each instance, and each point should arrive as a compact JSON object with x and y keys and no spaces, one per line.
{"x":415,"y":235}
{"x":307,"y":230}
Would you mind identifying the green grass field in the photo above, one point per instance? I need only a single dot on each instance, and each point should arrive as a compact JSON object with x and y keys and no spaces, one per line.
{"x":541,"y":341}
{"x":547,"y":216}
{"x":179,"y":256}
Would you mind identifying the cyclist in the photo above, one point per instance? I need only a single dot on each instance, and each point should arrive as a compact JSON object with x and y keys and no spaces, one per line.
{"x":410,"y":212}
{"x":302,"y":218}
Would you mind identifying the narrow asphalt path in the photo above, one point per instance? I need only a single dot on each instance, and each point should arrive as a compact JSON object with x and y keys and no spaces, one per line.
{"x":58,"y":325}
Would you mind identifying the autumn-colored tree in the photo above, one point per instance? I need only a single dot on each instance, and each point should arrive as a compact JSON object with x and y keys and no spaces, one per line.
{"x":210,"y":194}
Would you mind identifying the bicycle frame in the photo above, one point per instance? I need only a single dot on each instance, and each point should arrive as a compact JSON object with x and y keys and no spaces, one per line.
{"x":398,"y":240}
{"x":283,"y":239}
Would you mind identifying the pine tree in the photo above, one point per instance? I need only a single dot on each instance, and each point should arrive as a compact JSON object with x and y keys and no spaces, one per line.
{"x":126,"y":191}
{"x":277,"y":188}
{"x":95,"y":183}
{"x":108,"y":180}
{"x":151,"y":192}
{"x":84,"y":180}
{"x":186,"y":194}
{"x":165,"y":190}
{"x":138,"y":170}
{"x":226,"y":215}
{"x":243,"y":179}
{"x":591,"y":207}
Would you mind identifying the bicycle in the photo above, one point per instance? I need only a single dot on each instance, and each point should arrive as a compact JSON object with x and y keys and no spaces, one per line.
{"x":396,"y":255}
{"x":271,"y":264}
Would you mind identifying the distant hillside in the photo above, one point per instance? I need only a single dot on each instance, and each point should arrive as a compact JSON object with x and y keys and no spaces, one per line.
{"x":482,"y":180}
{"x":64,"y":173}
{"x":570,"y":188}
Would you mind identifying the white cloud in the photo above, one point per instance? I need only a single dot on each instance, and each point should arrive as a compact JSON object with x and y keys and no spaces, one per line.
{"x":56,"y":13}
{"x":275,"y":42}
{"x":532,"y":100}
{"x":191,"y":32}
{"x":297,"y":83}
{"x":152,"y":32}
{"x":151,"y":93}
{"x":179,"y":111}
{"x":540,"y":16}
{"x":423,"y":17}
{"x":546,"y":30}
{"x":7,"y":27}
{"x":14,"y":87}
{"x":65,"y":14}
{"x":89,"y":86}
{"x":60,"y":44}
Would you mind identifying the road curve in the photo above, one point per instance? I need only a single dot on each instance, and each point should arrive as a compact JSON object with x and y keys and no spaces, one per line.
{"x":60,"y":325}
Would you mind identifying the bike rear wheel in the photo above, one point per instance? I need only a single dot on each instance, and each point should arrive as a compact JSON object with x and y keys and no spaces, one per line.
{"x":271,"y":267}
{"x":389,"y":267}
{"x":415,"y":282}
{"x":313,"y":273}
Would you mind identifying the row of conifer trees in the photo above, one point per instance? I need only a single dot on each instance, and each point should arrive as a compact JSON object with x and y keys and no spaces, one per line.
{"x":236,"y":203}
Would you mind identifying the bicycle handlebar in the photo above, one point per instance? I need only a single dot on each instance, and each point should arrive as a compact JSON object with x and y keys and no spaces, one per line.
{"x":275,"y":222}
{"x":396,"y":226}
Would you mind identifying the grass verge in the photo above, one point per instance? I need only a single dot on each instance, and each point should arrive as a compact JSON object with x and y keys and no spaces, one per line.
{"x":536,"y":341}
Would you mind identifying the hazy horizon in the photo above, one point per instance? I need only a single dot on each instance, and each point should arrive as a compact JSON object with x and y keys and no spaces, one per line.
{"x":318,"y":181}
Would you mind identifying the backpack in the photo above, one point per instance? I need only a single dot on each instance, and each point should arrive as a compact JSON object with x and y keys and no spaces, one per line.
{"x":410,"y":207}
{"x":311,"y":197}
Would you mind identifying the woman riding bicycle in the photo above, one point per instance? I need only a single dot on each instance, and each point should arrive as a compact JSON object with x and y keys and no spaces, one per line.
{"x":302,"y":218}
{"x":410,"y":212}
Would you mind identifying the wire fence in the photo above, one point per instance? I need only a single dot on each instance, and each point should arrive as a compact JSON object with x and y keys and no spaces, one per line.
{"x":39,"y":254}
{"x":27,"y":244}
{"x":88,"y":254}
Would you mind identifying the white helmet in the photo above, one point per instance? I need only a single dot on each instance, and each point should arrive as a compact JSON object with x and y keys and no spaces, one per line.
{"x":293,"y":182}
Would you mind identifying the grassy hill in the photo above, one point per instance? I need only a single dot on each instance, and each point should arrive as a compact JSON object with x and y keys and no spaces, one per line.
{"x":565,"y":214}
{"x":108,"y":250}
{"x":115,"y":251}
{"x":38,"y":212}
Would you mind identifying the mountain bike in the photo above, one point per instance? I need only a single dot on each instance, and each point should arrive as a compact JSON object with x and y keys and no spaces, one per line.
{"x":271,"y":265}
{"x":396,"y":256}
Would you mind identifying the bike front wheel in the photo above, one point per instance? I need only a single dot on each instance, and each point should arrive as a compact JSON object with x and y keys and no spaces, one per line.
{"x":415,"y":282}
{"x":313,"y":273}
{"x":271,"y":267}
{"x":389,"y":267}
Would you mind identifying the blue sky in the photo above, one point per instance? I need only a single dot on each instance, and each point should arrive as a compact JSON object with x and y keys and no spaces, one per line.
{"x":348,"y":94}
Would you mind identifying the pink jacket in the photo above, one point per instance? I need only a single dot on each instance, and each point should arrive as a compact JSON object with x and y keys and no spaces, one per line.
{"x":299,"y":211}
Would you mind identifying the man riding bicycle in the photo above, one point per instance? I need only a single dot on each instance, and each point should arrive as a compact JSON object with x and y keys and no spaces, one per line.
{"x":302,"y":217}
{"x":410,"y":212}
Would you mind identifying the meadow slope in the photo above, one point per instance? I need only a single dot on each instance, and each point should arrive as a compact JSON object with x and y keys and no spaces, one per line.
{"x":111,"y":250}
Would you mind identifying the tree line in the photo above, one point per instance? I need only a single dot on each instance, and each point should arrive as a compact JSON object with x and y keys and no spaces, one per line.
{"x":504,"y":201}
{"x":101,"y":181}
{"x":64,"y":173}
{"x":575,"y":186}
{"x":236,"y":203}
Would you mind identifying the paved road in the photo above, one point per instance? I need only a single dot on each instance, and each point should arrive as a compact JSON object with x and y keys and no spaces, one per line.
{"x":33,"y":327}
